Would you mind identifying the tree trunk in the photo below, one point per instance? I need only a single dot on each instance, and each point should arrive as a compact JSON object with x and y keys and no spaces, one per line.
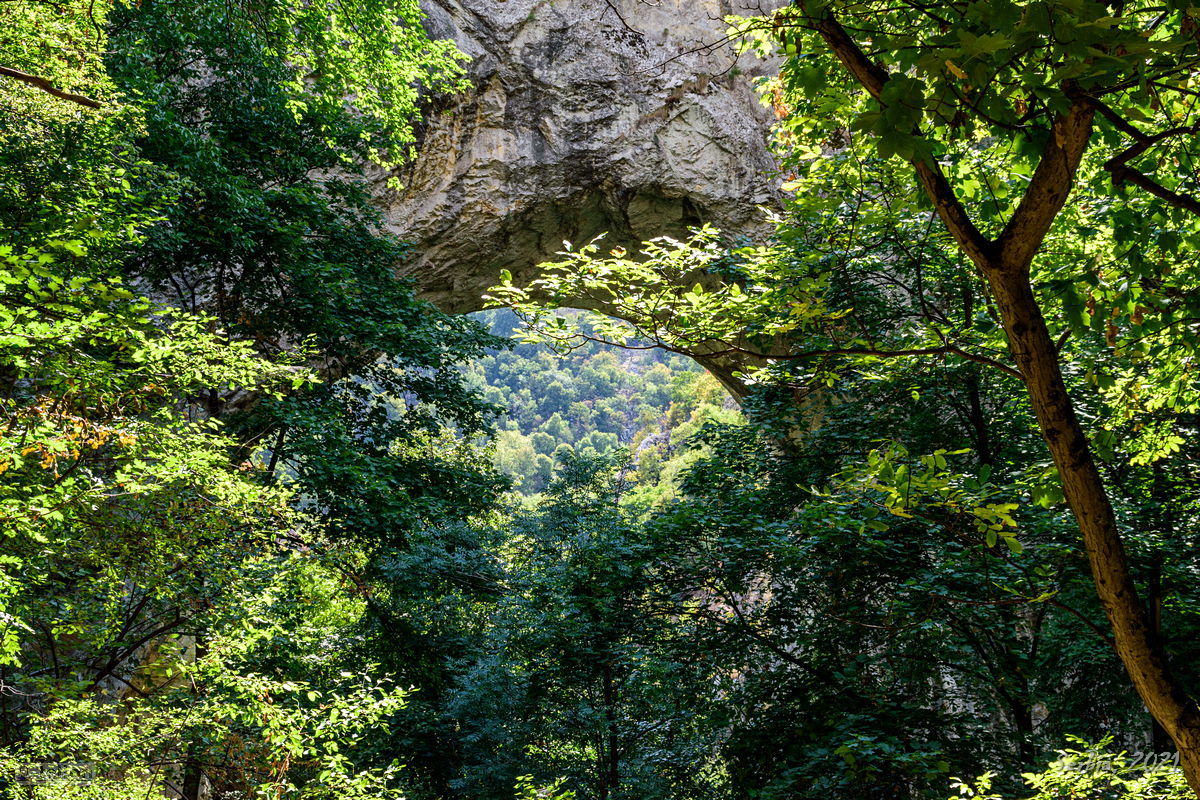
{"x":1005,"y":262}
{"x":610,"y":776}
{"x":1133,"y":635}
{"x":192,"y":779}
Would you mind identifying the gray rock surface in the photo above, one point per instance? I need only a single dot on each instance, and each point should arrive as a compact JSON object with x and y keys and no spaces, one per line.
{"x":630,"y":117}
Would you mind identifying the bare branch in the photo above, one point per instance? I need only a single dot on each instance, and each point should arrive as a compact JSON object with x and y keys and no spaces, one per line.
{"x":48,"y":87}
{"x":920,"y":351}
{"x":1118,"y":166}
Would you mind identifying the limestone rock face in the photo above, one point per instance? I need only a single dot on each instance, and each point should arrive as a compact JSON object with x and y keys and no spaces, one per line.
{"x":630,"y":117}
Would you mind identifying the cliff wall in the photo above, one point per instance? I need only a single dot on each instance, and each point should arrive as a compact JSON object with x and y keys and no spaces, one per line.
{"x":586,"y":116}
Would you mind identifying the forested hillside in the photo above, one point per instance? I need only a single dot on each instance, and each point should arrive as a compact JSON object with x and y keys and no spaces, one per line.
{"x":274,"y":526}
{"x":592,"y":401}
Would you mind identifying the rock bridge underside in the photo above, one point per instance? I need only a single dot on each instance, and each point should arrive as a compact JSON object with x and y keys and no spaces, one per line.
{"x":626,"y":117}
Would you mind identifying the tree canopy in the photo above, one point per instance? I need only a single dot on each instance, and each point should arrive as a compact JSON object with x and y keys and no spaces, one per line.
{"x":271,"y":525}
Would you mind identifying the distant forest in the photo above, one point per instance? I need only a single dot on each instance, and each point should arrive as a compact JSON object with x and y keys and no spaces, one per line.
{"x":594,"y":400}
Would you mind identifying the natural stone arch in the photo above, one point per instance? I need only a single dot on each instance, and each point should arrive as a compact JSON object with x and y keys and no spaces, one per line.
{"x":586,"y":116}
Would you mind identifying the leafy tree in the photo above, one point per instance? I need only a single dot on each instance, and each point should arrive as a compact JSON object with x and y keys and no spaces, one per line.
{"x":280,"y":256}
{"x":1088,"y":768}
{"x":585,"y":673}
{"x":1045,"y":81}
{"x":543,"y":442}
{"x":993,"y":107}
{"x":175,"y":593}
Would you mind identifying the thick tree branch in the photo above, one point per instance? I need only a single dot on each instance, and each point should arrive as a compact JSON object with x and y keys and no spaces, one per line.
{"x":1145,"y":661}
{"x":872,"y":77}
{"x":48,"y":87}
{"x":1048,"y":189}
{"x":1119,"y":122}
{"x":1123,"y":174}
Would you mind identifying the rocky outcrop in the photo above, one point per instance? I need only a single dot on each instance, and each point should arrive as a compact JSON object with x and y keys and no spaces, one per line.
{"x":631,"y":117}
